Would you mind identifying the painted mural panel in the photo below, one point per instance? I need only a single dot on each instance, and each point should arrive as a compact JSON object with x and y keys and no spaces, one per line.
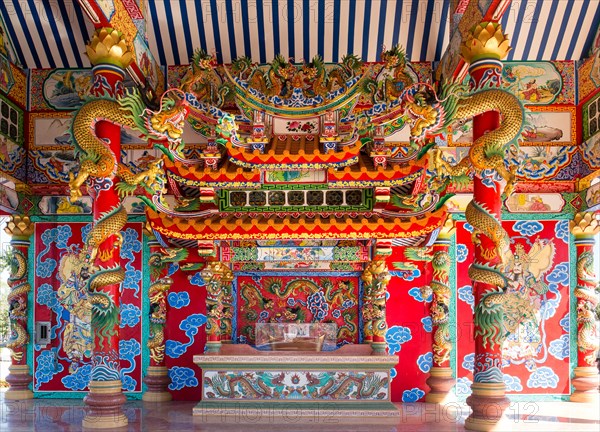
{"x":540,"y":83}
{"x":327,"y":297}
{"x":535,"y":203}
{"x":545,"y":126}
{"x":537,"y":321}
{"x":61,"y":298}
{"x":543,"y":163}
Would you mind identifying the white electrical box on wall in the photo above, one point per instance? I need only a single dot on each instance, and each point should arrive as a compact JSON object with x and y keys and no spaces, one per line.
{"x":42,"y":332}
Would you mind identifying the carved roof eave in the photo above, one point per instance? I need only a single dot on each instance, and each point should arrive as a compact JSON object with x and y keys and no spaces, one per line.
{"x":228,"y":176}
{"x":286,"y":161}
{"x":298,"y":112}
{"x":234,"y":227}
{"x":231,"y":176}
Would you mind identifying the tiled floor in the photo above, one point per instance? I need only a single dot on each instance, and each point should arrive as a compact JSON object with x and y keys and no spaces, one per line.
{"x":66,"y":415}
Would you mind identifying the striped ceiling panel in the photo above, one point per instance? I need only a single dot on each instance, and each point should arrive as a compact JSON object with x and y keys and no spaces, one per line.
{"x":48,"y":33}
{"x":299,"y":29}
{"x":52,"y":33}
{"x":551,"y":29}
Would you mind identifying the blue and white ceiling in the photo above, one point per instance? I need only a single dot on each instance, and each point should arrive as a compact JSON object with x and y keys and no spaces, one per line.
{"x":52,"y":33}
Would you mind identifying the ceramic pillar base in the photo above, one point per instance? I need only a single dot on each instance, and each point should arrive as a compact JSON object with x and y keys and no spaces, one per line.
{"x":19,"y":379}
{"x":440,"y":382}
{"x":157,"y":380}
{"x":586,"y":381}
{"x":104,"y":406}
{"x":488,"y":403}
{"x":379,"y":348}
{"x":212,"y":347}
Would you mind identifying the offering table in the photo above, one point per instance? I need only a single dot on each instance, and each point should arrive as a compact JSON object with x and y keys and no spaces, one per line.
{"x":347,"y":383}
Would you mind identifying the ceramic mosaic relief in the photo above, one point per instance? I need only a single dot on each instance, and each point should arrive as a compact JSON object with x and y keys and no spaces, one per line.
{"x":60,"y":298}
{"x":326,"y":297}
{"x":536,"y":351}
{"x":287,"y":385}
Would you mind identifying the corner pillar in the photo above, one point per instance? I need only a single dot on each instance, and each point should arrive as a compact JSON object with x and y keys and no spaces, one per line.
{"x":376,"y":278}
{"x":20,"y":228}
{"x":585,"y":226}
{"x":440,"y":379}
{"x":157,"y":378}
{"x":217,"y":278}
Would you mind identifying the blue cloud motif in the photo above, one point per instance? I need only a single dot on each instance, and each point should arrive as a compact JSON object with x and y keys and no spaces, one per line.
{"x":468,"y":362}
{"x":127,"y":382}
{"x":132,"y":280}
{"x":468,"y":227}
{"x":427,"y":324}
{"x":178,"y":300}
{"x":561,"y":230}
{"x":197,"y":280}
{"x":44,"y":269}
{"x":182,"y":377}
{"x":559,"y":348}
{"x":565,"y":323}
{"x":78,"y":380}
{"x":396,"y":336}
{"x":560,"y":274}
{"x":190,"y":325}
{"x":393,"y":373}
{"x":46,"y":296}
{"x":85,"y":232}
{"x":513,"y":383}
{"x":465,"y":293}
{"x":462,"y":252}
{"x":131,"y":244}
{"x":59,"y":235}
{"x":129,"y":349}
{"x":46,"y":367}
{"x":543,"y":377}
{"x":412,"y":395}
{"x":528,"y":228}
{"x":130,"y":315}
{"x":550,"y":305}
{"x":415,"y":293}
{"x":463,"y":387}
{"x":425,"y":361}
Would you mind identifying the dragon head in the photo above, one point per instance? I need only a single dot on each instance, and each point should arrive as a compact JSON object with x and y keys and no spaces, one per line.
{"x":311,"y":70}
{"x":168,"y":123}
{"x":352,"y":63}
{"x":394,"y":57}
{"x":202,"y":61}
{"x":423,"y":110}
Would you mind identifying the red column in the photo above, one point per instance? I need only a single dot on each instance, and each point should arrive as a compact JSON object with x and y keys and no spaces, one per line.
{"x":585,"y":226}
{"x":488,"y":400}
{"x":20,"y":229}
{"x":105,"y":398}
